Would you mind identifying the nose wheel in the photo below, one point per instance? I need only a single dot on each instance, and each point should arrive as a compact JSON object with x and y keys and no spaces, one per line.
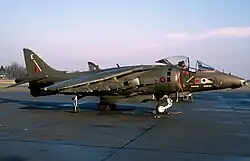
{"x":162,"y":107}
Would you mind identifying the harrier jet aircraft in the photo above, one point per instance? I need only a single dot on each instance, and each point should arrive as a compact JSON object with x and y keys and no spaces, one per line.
{"x":134,"y":83}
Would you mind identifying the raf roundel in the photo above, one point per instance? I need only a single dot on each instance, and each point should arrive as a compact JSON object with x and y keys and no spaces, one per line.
{"x":162,"y":79}
{"x":203,"y":80}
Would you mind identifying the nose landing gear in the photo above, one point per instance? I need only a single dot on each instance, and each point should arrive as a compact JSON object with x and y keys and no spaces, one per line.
{"x":162,"y":107}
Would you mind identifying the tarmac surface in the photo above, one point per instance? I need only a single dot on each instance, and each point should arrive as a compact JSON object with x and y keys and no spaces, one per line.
{"x":215,"y":127}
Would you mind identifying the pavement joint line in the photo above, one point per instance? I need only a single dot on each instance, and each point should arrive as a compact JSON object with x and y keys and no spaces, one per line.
{"x":48,"y":124}
{"x":237,"y":115}
{"x":117,"y":148}
{"x":57,"y":143}
{"x":129,"y":142}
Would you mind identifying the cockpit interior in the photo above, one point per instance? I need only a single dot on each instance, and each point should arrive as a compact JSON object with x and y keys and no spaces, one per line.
{"x":184,"y":62}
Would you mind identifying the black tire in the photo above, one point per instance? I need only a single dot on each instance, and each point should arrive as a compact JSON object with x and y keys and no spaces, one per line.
{"x":112,"y":106}
{"x":103,"y":107}
{"x":158,"y":109}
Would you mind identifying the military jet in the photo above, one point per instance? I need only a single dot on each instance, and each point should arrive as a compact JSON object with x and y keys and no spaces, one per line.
{"x":135,"y":83}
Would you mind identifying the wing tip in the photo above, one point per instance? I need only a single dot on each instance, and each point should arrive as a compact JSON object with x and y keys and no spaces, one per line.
{"x":11,"y":86}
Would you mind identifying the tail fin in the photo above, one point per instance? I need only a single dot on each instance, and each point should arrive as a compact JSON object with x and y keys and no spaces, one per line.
{"x":93,"y":66}
{"x":35,"y":65}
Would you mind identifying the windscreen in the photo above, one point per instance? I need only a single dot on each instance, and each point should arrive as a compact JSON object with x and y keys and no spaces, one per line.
{"x":202,"y":66}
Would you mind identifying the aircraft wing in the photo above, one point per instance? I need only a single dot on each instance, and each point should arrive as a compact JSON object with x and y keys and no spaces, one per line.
{"x":92,"y":78}
{"x":26,"y":79}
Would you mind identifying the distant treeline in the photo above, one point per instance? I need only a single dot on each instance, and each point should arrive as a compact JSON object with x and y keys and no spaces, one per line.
{"x":13,"y":71}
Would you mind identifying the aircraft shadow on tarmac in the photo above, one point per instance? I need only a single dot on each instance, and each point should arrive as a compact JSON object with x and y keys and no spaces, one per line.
{"x":13,"y":158}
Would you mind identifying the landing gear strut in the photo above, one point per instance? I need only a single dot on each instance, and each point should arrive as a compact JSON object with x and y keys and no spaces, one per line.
{"x":162,"y":107}
{"x":189,"y":97}
{"x":75,"y":102}
{"x":177,"y":97}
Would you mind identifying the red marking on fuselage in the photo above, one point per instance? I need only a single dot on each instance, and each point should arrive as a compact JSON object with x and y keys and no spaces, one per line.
{"x":197,"y":81}
{"x":162,"y":79}
{"x":36,"y":70}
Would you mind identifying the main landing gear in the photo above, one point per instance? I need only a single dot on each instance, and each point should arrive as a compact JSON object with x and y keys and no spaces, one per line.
{"x":106,"y":106}
{"x":162,"y":107}
{"x":103,"y":105}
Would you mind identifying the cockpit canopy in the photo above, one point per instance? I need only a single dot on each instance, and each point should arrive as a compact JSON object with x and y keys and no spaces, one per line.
{"x":181,"y":61}
{"x":184,"y":62}
{"x":203,"y":67}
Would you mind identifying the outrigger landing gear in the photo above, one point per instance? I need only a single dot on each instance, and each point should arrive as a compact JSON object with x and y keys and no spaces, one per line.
{"x":75,"y":102}
{"x":162,"y":107}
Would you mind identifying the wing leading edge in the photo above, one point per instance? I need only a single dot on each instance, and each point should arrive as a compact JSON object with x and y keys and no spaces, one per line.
{"x":93,"y":78}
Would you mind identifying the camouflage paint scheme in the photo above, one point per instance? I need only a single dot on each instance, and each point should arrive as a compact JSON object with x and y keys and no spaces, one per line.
{"x":134,"y":83}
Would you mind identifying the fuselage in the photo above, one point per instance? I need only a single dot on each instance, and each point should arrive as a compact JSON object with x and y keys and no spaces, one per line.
{"x":154,"y":80}
{"x":150,"y":80}
{"x":213,"y":80}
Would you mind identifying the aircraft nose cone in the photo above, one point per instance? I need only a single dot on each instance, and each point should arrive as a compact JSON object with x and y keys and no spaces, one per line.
{"x":236,"y":82}
{"x":244,"y":82}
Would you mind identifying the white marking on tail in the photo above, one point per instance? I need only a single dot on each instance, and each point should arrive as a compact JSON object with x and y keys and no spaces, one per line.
{"x":32,"y":58}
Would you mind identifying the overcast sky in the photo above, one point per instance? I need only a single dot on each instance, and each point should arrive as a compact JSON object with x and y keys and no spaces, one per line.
{"x":67,"y":34}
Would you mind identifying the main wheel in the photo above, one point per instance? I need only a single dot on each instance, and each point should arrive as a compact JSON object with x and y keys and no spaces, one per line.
{"x":103,"y":106}
{"x":112,"y":106}
{"x":161,"y":108}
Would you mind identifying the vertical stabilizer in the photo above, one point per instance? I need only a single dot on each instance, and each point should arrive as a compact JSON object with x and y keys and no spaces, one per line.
{"x":35,"y":65}
{"x":93,"y":67}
